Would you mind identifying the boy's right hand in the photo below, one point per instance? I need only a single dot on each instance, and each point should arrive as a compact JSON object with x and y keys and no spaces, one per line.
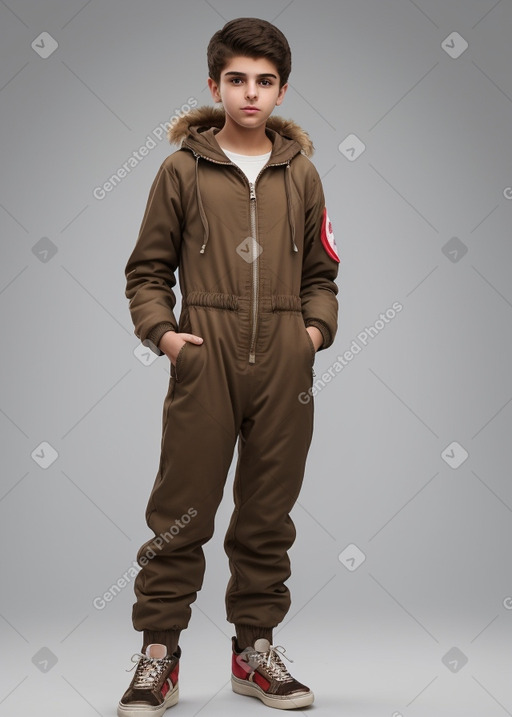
{"x":172,"y":342}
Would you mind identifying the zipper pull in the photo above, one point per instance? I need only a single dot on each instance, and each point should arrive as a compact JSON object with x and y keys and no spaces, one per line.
{"x":252,"y":192}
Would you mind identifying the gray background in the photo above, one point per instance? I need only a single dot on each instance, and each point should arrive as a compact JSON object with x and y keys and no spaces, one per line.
{"x":377,"y":639}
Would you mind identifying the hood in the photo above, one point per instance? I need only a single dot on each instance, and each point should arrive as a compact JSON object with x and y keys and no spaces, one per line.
{"x":191,"y":130}
{"x":196,"y":131}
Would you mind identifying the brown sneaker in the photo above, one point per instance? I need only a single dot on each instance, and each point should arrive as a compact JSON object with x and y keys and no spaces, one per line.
{"x":154,"y":686}
{"x":259,"y":672}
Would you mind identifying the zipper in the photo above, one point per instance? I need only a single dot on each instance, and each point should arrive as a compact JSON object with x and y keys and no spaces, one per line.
{"x":255,"y":274}
{"x":256,"y":261}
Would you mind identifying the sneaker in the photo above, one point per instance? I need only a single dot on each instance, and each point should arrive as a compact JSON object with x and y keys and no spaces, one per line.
{"x":260,"y":672}
{"x":154,"y":686}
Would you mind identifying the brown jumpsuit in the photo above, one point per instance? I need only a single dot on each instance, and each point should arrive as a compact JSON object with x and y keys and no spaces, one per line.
{"x":257,"y":264}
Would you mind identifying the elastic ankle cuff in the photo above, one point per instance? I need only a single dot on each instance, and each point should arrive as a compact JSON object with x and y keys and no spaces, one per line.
{"x":246,"y":635}
{"x":169,"y":638}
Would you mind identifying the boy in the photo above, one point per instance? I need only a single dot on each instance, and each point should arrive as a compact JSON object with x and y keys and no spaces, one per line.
{"x":239,"y":210}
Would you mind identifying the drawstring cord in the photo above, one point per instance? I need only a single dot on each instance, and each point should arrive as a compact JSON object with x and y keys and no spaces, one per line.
{"x":287,"y":185}
{"x":202,"y":214}
{"x":204,"y":220}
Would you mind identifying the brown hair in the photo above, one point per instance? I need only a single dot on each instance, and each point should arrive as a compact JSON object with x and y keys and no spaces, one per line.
{"x":249,"y":37}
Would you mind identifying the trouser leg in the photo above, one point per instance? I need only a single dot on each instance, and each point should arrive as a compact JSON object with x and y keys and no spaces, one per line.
{"x":198,"y":440}
{"x":273,"y":446}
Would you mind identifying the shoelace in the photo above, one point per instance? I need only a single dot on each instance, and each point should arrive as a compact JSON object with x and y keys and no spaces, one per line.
{"x":271,"y":660}
{"x":148,"y":670}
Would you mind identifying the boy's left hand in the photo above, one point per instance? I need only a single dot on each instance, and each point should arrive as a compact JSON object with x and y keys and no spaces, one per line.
{"x":316,"y":336}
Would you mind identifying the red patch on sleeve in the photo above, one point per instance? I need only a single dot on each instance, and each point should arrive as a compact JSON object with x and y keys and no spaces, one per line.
{"x":327,"y":237}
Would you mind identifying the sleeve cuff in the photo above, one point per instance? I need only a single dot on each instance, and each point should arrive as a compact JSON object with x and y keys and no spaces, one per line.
{"x":153,"y":338}
{"x":324,"y":330}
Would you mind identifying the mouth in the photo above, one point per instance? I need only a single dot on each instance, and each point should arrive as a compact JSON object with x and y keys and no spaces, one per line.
{"x":250,"y":109}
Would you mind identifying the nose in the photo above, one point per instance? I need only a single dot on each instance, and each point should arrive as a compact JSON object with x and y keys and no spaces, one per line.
{"x":251,"y":90}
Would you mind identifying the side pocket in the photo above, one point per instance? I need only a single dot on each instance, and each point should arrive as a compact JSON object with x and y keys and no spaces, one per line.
{"x":311,"y":346}
{"x":179,"y":362}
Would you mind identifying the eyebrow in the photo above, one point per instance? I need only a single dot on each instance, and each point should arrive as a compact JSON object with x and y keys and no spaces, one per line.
{"x":243,"y":74}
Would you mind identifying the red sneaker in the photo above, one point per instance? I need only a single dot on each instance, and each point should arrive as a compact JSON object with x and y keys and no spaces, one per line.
{"x":154,"y":686}
{"x":259,"y":672}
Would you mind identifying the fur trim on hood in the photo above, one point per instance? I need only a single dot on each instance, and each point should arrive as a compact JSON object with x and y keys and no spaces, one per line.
{"x":207,"y":117}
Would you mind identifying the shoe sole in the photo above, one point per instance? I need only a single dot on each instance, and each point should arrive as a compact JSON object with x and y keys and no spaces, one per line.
{"x":170,"y":699}
{"x":243,"y":687}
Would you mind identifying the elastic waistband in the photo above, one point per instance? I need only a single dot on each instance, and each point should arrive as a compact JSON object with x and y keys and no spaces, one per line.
{"x":212,"y":300}
{"x":232,"y":302}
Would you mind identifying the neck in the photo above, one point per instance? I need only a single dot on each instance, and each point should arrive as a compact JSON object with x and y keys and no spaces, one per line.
{"x":243,"y":140}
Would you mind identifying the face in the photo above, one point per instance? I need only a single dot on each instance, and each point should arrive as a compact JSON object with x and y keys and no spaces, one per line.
{"x":249,"y":90}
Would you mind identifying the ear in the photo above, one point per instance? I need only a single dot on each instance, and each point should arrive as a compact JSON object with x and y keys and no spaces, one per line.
{"x":214,"y":90}
{"x":282,"y":92}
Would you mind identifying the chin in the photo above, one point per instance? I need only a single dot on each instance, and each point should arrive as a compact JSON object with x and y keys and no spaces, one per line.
{"x":253,"y":121}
